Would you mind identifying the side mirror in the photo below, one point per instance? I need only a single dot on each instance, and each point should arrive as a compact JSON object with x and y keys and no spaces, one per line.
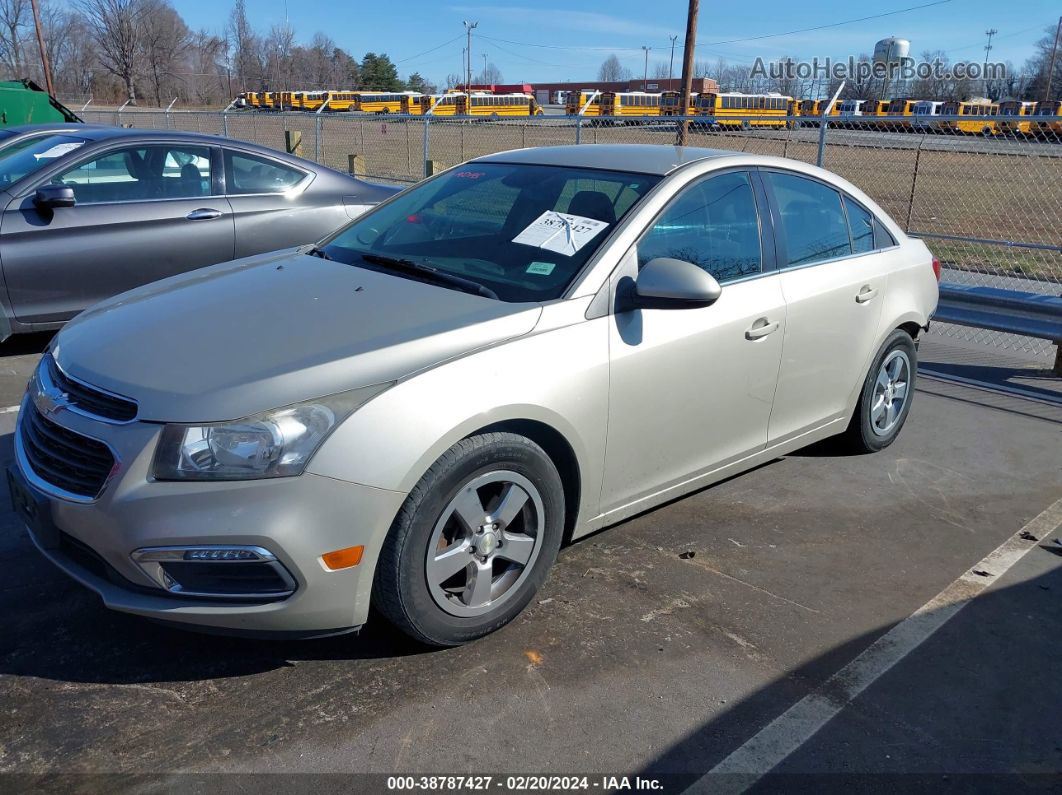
{"x":52,"y":196}
{"x":674,"y":283}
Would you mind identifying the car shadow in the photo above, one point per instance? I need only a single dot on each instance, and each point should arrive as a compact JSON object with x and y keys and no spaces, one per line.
{"x":23,"y":344}
{"x":918,"y":727}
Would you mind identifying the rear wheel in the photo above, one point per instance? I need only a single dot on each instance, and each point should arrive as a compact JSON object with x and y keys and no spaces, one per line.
{"x":885,"y":400}
{"x":473,"y":541}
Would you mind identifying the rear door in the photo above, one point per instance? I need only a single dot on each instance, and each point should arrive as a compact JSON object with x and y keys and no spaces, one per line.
{"x":276,"y":205}
{"x":143,"y":212}
{"x":835,"y":262}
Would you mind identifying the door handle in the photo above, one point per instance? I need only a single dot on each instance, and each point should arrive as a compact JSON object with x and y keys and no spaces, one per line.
{"x":761,"y":328}
{"x":866,"y":292}
{"x":203,"y":214}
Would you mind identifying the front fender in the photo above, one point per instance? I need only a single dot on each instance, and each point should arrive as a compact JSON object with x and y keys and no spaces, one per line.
{"x":557,"y":377}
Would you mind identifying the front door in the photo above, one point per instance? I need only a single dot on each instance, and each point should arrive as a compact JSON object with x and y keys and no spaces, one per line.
{"x":692,"y":389}
{"x":142,"y":213}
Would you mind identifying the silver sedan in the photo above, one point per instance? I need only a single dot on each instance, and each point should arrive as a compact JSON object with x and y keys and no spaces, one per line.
{"x":87,"y":212}
{"x":416,"y":412}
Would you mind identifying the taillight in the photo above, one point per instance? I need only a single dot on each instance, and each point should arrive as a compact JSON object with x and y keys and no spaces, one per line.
{"x":936,"y":268}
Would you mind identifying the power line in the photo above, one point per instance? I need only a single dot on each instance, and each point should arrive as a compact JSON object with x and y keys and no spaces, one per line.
{"x":735,"y":41}
{"x":433,"y":49}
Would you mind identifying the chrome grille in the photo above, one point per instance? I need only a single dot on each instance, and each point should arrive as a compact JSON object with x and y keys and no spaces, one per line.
{"x":87,"y":399}
{"x":62,"y":458}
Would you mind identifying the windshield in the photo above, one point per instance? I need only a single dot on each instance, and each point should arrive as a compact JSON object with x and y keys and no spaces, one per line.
{"x":521,"y":231}
{"x":28,"y":156}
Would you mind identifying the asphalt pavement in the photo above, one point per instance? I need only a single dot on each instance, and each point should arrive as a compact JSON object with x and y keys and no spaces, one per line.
{"x":662,"y":647}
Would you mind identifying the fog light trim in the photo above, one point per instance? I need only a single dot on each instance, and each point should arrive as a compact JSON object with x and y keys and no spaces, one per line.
{"x":150,"y":560}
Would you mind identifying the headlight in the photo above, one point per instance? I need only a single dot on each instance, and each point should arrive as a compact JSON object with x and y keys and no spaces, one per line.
{"x":273,"y":444}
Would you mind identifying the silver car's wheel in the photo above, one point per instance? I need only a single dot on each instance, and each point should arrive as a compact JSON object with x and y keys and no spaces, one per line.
{"x":485,"y":543}
{"x":473,"y":541}
{"x":890,"y":392}
{"x":885,"y":399}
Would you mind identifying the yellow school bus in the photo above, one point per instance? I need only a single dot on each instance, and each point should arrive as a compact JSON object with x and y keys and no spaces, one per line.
{"x":410,"y":104}
{"x":340,"y":100}
{"x":629,"y":103}
{"x":313,"y":100}
{"x":251,"y":99}
{"x":383,"y":102}
{"x":977,"y":108}
{"x":900,"y":114}
{"x":726,"y":109}
{"x":671,"y":105}
{"x":1009,"y":110}
{"x":576,"y":101}
{"x":1051,"y":128}
{"x":496,"y":105}
{"x":439,"y":104}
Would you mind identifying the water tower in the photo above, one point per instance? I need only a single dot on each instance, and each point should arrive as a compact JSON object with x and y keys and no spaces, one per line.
{"x":891,"y":51}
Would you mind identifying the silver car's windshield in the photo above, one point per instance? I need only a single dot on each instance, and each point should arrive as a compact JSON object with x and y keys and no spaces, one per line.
{"x":25,"y":157}
{"x":523,"y":232}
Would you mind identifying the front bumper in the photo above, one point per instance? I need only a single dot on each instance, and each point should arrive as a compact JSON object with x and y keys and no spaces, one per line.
{"x":297,"y":519}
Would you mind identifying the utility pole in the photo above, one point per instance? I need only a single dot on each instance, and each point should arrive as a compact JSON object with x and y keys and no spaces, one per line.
{"x":671,"y":65}
{"x":687,"y":67}
{"x":988,"y":47}
{"x":645,"y":74}
{"x":484,"y":67}
{"x":44,"y":52}
{"x":1051,"y":62}
{"x":469,"y":27}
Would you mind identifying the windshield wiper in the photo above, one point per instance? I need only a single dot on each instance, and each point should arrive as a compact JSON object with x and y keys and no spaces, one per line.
{"x":431,"y":273}
{"x":317,"y":251}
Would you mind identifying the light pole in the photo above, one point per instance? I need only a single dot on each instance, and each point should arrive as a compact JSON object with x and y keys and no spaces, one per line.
{"x":469,"y":27}
{"x":484,"y":67}
{"x":645,"y":74}
{"x":671,"y":66}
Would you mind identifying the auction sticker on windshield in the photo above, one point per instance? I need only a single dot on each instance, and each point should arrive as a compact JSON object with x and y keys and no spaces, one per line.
{"x":58,"y":151}
{"x":560,"y":232}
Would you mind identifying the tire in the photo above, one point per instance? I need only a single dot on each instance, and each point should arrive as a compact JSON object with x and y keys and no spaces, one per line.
{"x":871,"y":430}
{"x":414,"y":587}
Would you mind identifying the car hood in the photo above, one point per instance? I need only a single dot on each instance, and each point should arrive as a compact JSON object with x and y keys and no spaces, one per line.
{"x":231,"y":340}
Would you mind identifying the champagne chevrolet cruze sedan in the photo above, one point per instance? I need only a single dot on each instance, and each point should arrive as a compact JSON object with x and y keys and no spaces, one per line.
{"x":416,"y":412}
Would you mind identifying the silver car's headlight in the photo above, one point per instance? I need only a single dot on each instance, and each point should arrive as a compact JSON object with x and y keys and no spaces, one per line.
{"x":273,"y":444}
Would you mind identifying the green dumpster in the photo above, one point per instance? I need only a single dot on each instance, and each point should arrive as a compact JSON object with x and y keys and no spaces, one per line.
{"x":25,"y":102}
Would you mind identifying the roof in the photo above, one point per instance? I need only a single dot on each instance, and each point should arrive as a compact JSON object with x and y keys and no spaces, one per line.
{"x":637,"y":158}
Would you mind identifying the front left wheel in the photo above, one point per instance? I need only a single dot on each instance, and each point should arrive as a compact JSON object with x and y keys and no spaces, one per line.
{"x":473,"y":541}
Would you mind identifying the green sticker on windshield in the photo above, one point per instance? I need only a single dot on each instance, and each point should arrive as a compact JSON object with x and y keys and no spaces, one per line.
{"x":541,"y":268}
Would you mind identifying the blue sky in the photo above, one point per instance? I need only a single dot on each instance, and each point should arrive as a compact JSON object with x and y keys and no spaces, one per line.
{"x":573,"y":39}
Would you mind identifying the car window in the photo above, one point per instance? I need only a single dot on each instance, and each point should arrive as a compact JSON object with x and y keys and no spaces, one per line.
{"x":20,"y":160}
{"x":812,"y":219}
{"x":713,"y":224}
{"x":249,"y":174}
{"x":861,"y":224}
{"x":522,"y":231}
{"x":140,"y":173}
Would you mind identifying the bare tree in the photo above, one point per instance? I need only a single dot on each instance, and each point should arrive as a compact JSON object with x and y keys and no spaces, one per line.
{"x":278,"y":49}
{"x":165,"y":41}
{"x":118,"y":30}
{"x":245,"y":48}
{"x":14,"y":15}
{"x":491,"y":75}
{"x":613,"y":71}
{"x":660,"y":71}
{"x":206,"y":62}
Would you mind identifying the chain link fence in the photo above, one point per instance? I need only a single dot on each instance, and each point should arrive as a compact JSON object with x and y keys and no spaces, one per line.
{"x":985,"y":192}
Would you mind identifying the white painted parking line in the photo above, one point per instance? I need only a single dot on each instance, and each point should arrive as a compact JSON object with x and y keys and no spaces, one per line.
{"x":9,"y":409}
{"x":794,"y":727}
